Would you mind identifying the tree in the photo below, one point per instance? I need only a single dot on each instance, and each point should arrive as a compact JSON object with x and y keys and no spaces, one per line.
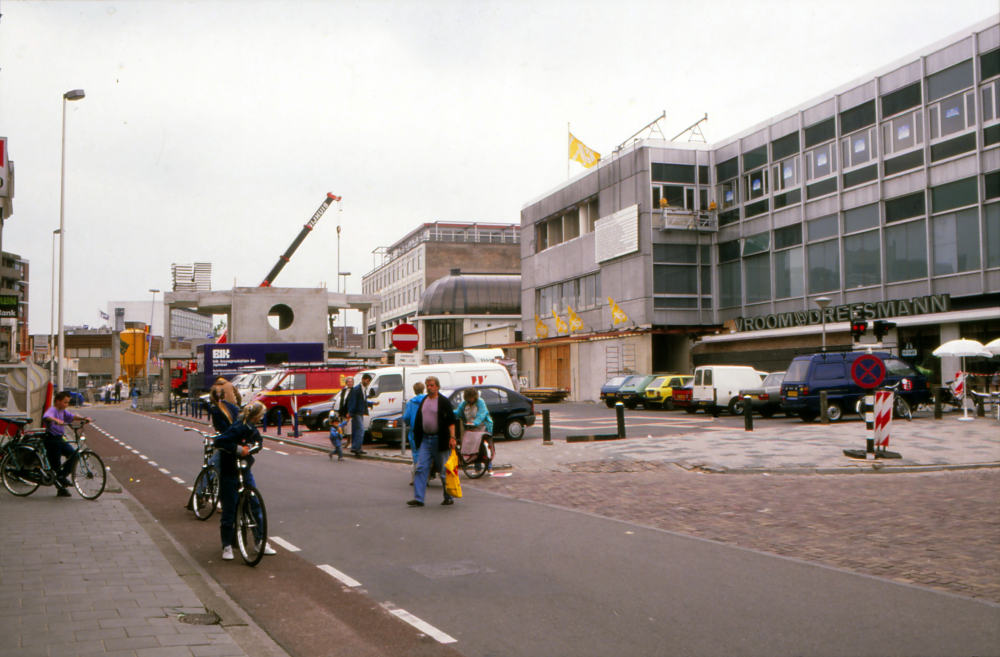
{"x":219,"y":328}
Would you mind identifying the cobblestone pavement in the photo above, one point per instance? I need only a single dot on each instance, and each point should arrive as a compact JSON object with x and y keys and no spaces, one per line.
{"x":940,"y":529}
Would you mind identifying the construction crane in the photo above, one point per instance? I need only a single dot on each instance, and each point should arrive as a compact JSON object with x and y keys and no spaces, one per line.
{"x":284,"y":258}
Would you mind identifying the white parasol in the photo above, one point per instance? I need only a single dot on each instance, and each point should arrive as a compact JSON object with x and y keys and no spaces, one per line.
{"x":993,"y":347}
{"x":962,"y":349}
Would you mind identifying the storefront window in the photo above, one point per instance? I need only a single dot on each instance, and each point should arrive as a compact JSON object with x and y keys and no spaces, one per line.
{"x":789,"y":279}
{"x":906,"y":251}
{"x":956,"y":242}
{"x":730,"y":290}
{"x":862,"y":259}
{"x":758,"y":276}
{"x":824,"y":266}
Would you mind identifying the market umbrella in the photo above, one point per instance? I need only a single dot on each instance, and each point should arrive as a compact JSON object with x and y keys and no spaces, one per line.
{"x":993,"y":347}
{"x":962,"y":349}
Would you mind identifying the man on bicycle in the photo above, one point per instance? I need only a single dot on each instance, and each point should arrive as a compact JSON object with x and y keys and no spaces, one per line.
{"x":56,"y":445}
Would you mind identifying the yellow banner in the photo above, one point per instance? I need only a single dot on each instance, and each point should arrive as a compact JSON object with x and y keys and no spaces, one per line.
{"x":618,"y":315}
{"x":560,"y":324}
{"x":582,"y":154}
{"x":575,"y":323}
{"x":541,"y":328}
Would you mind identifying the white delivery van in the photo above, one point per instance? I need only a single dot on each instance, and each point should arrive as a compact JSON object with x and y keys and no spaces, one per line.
{"x":718,"y":386}
{"x":387,"y":386}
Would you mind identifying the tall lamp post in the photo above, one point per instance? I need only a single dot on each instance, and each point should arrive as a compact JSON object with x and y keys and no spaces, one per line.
{"x":149,"y":334}
{"x":76,"y":94}
{"x":52,"y":312}
{"x":343,"y":275}
{"x":823,"y":302}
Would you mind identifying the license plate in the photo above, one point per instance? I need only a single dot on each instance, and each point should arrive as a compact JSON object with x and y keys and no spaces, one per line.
{"x":376,"y":434}
{"x":793,"y":393}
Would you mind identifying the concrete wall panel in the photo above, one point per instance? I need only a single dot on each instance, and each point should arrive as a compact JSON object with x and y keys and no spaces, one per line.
{"x":989,"y":39}
{"x":991,"y":160}
{"x":785,"y":127}
{"x":822,"y":207}
{"x":899,"y":78}
{"x":788,"y":217}
{"x":753,"y":141}
{"x":964,"y":285}
{"x":907,"y":184}
{"x":905,"y":290}
{"x":818,"y":113}
{"x":949,"y":56}
{"x":858,"y":197}
{"x":954,"y":170}
{"x":856,"y":96}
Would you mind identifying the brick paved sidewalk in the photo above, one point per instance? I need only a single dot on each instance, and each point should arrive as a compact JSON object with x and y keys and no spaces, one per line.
{"x":86,"y":577}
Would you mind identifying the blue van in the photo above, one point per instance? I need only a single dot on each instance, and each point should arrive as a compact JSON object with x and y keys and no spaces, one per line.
{"x":807,"y":376}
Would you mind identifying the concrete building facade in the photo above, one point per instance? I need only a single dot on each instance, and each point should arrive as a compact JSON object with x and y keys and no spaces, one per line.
{"x":882,"y":195}
{"x":14,"y":277}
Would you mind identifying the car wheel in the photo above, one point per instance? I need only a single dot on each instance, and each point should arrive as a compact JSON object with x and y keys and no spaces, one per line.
{"x":514,"y":430}
{"x":610,"y":403}
{"x":736,"y":406}
{"x":690,"y":411}
{"x":669,"y":404}
{"x":834,"y":412}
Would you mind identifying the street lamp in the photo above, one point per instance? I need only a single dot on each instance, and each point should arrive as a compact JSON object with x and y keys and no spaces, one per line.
{"x":823,"y":302}
{"x":75,"y":94}
{"x":149,"y":334}
{"x":344,"y":275}
{"x":52,"y":312}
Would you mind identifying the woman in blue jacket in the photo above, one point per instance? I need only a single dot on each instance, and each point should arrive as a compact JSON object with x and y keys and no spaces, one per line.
{"x":223,"y":414}
{"x":473,"y":414}
{"x":235,"y":443}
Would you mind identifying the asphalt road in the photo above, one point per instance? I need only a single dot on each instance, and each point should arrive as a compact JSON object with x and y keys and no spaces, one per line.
{"x":508,"y":577}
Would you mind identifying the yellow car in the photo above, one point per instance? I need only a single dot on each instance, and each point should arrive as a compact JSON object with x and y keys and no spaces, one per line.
{"x":660,"y":393}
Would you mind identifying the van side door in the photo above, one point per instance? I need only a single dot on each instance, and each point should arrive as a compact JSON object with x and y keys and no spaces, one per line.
{"x":704,"y":390}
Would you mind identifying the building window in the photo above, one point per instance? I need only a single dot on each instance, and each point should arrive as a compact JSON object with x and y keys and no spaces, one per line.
{"x":755,"y":158}
{"x":675,"y":279}
{"x":861,"y":218}
{"x":858,"y":117}
{"x":820,"y":132}
{"x":989,"y":64}
{"x":105,"y":352}
{"x":952,"y":115}
{"x":992,"y":234}
{"x":956,"y":242}
{"x":859,"y":148}
{"x":905,"y":207}
{"x":906,"y":251}
{"x":862,"y":259}
{"x":786,"y":174}
{"x":758,"y":277}
{"x":729,"y":251}
{"x":677,"y":197}
{"x":755,"y":185}
{"x":679,"y":277}
{"x":673,"y":173}
{"x":730,"y":290}
{"x":756,"y":244}
{"x":946,"y":82}
{"x":728,"y":169}
{"x":784,"y":147}
{"x":824,"y":266}
{"x":822,"y":227}
{"x":706,"y":273}
{"x":821,"y":162}
{"x":728,"y":194}
{"x":900,"y":100}
{"x":955,"y":195}
{"x":903,"y":133}
{"x":788,"y":236}
{"x":789,"y":278}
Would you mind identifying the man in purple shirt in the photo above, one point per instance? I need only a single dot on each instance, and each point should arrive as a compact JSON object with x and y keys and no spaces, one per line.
{"x":434,"y":434}
{"x":56,"y":446}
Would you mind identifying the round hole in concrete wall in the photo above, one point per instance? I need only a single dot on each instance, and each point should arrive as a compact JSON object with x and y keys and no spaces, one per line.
{"x":280,"y":316}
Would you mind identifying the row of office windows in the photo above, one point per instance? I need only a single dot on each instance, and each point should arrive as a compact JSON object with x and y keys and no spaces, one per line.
{"x":393,"y":273}
{"x":566,"y":225}
{"x":402,"y":298}
{"x":951,"y":119}
{"x":858,"y":238}
{"x":580,"y":294}
{"x":682,"y":276}
{"x":88,"y":352}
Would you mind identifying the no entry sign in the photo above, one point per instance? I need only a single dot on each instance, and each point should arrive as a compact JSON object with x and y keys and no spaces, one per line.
{"x":404,"y":337}
{"x":868,"y":371}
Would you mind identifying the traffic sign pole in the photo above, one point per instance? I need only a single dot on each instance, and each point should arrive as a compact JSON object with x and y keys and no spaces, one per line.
{"x":868,"y":371}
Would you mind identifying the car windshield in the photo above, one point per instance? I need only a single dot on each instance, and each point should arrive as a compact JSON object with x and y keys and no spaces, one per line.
{"x":657,"y":382}
{"x":797,"y":370}
{"x":774,"y":379}
{"x":617,"y":381}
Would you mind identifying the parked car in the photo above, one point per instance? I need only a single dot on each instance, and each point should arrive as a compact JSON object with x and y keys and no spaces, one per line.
{"x":610,"y":389}
{"x":766,"y":399}
{"x":682,"y":397}
{"x":511,"y":413}
{"x":717,"y":387}
{"x":660,"y":393}
{"x":807,"y":376}
{"x":633,"y":393}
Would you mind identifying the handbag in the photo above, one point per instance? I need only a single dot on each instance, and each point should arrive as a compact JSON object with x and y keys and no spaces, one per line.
{"x":451,"y":483}
{"x":471,"y":441}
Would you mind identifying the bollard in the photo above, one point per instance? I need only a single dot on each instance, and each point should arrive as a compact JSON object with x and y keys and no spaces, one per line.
{"x":747,"y":413}
{"x":980,"y":407}
{"x":280,"y":421}
{"x":620,"y":412}
{"x":295,"y":425}
{"x":937,"y":403}
{"x":824,"y":408}
{"x":546,"y":428}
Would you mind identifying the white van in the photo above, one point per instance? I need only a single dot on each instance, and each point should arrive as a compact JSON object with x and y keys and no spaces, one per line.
{"x":387,"y":383}
{"x":718,"y":386}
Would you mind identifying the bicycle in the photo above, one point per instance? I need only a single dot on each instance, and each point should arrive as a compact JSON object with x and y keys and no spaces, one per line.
{"x":900,"y":407}
{"x":477,"y":465}
{"x":205,"y":493}
{"x":248,"y":500}
{"x":25,"y":465}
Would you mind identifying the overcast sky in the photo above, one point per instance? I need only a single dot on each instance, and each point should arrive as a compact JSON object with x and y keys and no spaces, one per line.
{"x":211,"y":131}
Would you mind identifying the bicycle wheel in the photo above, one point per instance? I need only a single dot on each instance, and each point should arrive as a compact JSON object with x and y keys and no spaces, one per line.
{"x":475,"y":467}
{"x":21,"y":470}
{"x":206,"y":493}
{"x":89,"y":475}
{"x":251,"y":530}
{"x":902,"y":408}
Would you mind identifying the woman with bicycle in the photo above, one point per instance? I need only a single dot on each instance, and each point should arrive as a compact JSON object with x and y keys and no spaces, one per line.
{"x":223,"y":413}
{"x":474,"y":416}
{"x":56,"y":446}
{"x":234,"y":444}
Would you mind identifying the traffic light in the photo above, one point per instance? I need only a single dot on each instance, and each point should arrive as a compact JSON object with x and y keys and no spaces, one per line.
{"x":881,"y":327}
{"x":858,"y":328}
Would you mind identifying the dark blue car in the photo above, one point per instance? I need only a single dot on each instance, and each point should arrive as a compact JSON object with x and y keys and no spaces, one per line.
{"x":609,"y":391}
{"x":807,"y":376}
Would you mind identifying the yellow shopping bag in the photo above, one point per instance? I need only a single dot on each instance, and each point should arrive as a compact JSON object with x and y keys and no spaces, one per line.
{"x":451,"y":476}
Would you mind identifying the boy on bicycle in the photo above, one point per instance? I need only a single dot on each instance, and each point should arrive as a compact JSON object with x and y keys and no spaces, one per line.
{"x":56,"y":445}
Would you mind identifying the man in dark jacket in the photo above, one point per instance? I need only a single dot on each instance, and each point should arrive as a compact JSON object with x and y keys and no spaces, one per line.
{"x":357,"y":408}
{"x":434,"y":434}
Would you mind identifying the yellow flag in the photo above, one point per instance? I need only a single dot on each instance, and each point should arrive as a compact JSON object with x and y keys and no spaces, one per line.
{"x":618,"y":315}
{"x":582,"y":154}
{"x":560,"y":324}
{"x":541,"y":328}
{"x":575,"y":323}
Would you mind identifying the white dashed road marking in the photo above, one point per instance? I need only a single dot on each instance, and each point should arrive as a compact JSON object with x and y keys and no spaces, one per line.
{"x":164,"y":471}
{"x":285,"y":544}
{"x":426,"y":628}
{"x":330,"y":570}
{"x":178,"y":480}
